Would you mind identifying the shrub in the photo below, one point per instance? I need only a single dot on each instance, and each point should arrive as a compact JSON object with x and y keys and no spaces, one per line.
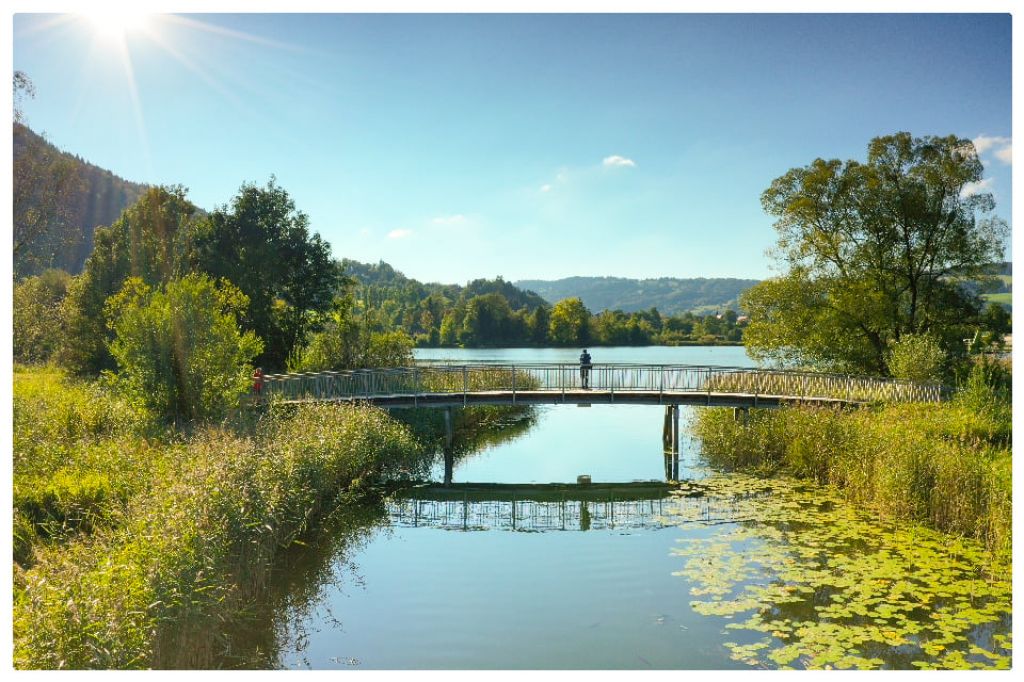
{"x":179,"y":350}
{"x":916,"y":357}
{"x":37,"y":321}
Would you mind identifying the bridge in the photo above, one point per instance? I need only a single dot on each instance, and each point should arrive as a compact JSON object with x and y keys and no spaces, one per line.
{"x":445,"y":385}
{"x":534,"y":507}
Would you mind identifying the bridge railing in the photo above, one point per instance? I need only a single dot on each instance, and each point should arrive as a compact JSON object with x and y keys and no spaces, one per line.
{"x":419,"y":380}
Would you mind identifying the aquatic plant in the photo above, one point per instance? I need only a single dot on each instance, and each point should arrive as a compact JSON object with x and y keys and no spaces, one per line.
{"x":820,"y":584}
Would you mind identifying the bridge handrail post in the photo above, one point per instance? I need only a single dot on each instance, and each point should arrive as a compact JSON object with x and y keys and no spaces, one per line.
{"x":513,"y":384}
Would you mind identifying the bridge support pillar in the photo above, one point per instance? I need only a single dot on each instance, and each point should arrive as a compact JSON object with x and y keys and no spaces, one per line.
{"x":449,"y":458}
{"x":448,"y":427}
{"x":670,"y":439}
{"x":449,"y":465}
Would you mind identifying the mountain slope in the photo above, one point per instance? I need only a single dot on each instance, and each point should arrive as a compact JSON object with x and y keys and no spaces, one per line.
{"x":59,"y":200}
{"x":669,"y":295}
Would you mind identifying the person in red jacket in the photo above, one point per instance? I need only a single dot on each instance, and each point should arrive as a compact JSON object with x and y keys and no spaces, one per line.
{"x":257,"y":382}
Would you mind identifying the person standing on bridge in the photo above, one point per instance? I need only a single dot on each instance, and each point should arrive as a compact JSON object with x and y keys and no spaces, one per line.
{"x":257,"y":383}
{"x":585,"y":366}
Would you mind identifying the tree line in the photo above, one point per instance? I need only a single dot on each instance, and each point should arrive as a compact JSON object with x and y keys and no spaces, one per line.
{"x":493,"y":313}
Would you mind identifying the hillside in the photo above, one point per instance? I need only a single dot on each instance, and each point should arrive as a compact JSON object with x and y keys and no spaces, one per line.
{"x":65,"y":198}
{"x":381,"y":277}
{"x":669,"y":295}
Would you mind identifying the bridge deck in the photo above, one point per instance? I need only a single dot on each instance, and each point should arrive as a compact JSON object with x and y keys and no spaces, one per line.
{"x":581,"y":397}
{"x":444,"y":385}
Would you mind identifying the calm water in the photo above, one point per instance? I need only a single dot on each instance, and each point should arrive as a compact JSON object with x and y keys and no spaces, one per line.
{"x":729,"y":356}
{"x":406,"y":591}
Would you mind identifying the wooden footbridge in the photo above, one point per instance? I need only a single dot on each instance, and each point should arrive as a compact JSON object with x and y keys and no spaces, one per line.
{"x":445,"y":385}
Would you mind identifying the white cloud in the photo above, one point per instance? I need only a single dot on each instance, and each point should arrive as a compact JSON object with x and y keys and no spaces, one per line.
{"x":456,"y":219}
{"x":1000,"y":147}
{"x":985,"y":142}
{"x":1005,"y":154}
{"x":399,"y":233}
{"x":972,"y":188}
{"x":545,"y":188}
{"x":616,"y":160}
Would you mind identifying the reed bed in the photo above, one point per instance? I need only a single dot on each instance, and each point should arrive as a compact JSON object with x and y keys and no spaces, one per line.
{"x":947,"y":465}
{"x":130,"y":539}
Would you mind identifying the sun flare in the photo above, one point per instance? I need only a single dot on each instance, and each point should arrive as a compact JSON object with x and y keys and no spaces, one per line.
{"x":114,"y":26}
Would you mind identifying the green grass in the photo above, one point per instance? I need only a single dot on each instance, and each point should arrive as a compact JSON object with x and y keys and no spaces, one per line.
{"x":1005,"y":298}
{"x":134,"y":544}
{"x":945,"y":465}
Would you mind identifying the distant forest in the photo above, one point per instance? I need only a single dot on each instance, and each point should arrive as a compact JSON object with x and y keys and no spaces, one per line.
{"x":669,"y":295}
{"x":88,"y":197}
{"x":499,"y":313}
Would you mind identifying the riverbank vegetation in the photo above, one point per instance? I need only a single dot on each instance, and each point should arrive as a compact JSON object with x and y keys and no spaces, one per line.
{"x":946,"y":465}
{"x":134,"y":541}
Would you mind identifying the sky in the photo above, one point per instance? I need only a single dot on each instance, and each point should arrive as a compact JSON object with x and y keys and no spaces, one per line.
{"x":530,"y":146}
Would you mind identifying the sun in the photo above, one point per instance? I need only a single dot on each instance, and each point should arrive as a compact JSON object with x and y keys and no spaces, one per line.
{"x":115,"y":25}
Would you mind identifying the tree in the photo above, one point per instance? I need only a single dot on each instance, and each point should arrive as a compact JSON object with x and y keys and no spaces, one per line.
{"x":263,"y":245}
{"x":874,"y":251}
{"x":45,"y":184}
{"x":149,"y":241}
{"x":23,"y":87}
{"x":540,"y":321}
{"x":570,"y":323}
{"x":179,"y":350}
{"x":38,"y":323}
{"x":487,"y":321}
{"x":346,"y":342}
{"x":997,"y":319}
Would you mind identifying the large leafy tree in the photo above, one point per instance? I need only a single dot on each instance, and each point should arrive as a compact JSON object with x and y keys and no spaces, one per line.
{"x":874,"y":251}
{"x":570,"y":323}
{"x":149,"y":242}
{"x":263,"y":245}
{"x":488,"y":321}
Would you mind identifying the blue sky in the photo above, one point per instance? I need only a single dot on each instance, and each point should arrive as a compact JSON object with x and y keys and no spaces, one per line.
{"x":527,"y":146}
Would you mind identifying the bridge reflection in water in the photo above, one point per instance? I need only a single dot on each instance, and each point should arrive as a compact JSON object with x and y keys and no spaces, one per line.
{"x":539,"y":507}
{"x":532,"y":507}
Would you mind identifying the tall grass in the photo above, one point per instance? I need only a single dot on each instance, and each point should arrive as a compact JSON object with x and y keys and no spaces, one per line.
{"x":137,"y":544}
{"x":947,"y":465}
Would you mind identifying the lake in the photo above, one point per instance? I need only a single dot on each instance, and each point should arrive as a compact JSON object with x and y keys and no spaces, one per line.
{"x":519,"y":574}
{"x":728,"y":356}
